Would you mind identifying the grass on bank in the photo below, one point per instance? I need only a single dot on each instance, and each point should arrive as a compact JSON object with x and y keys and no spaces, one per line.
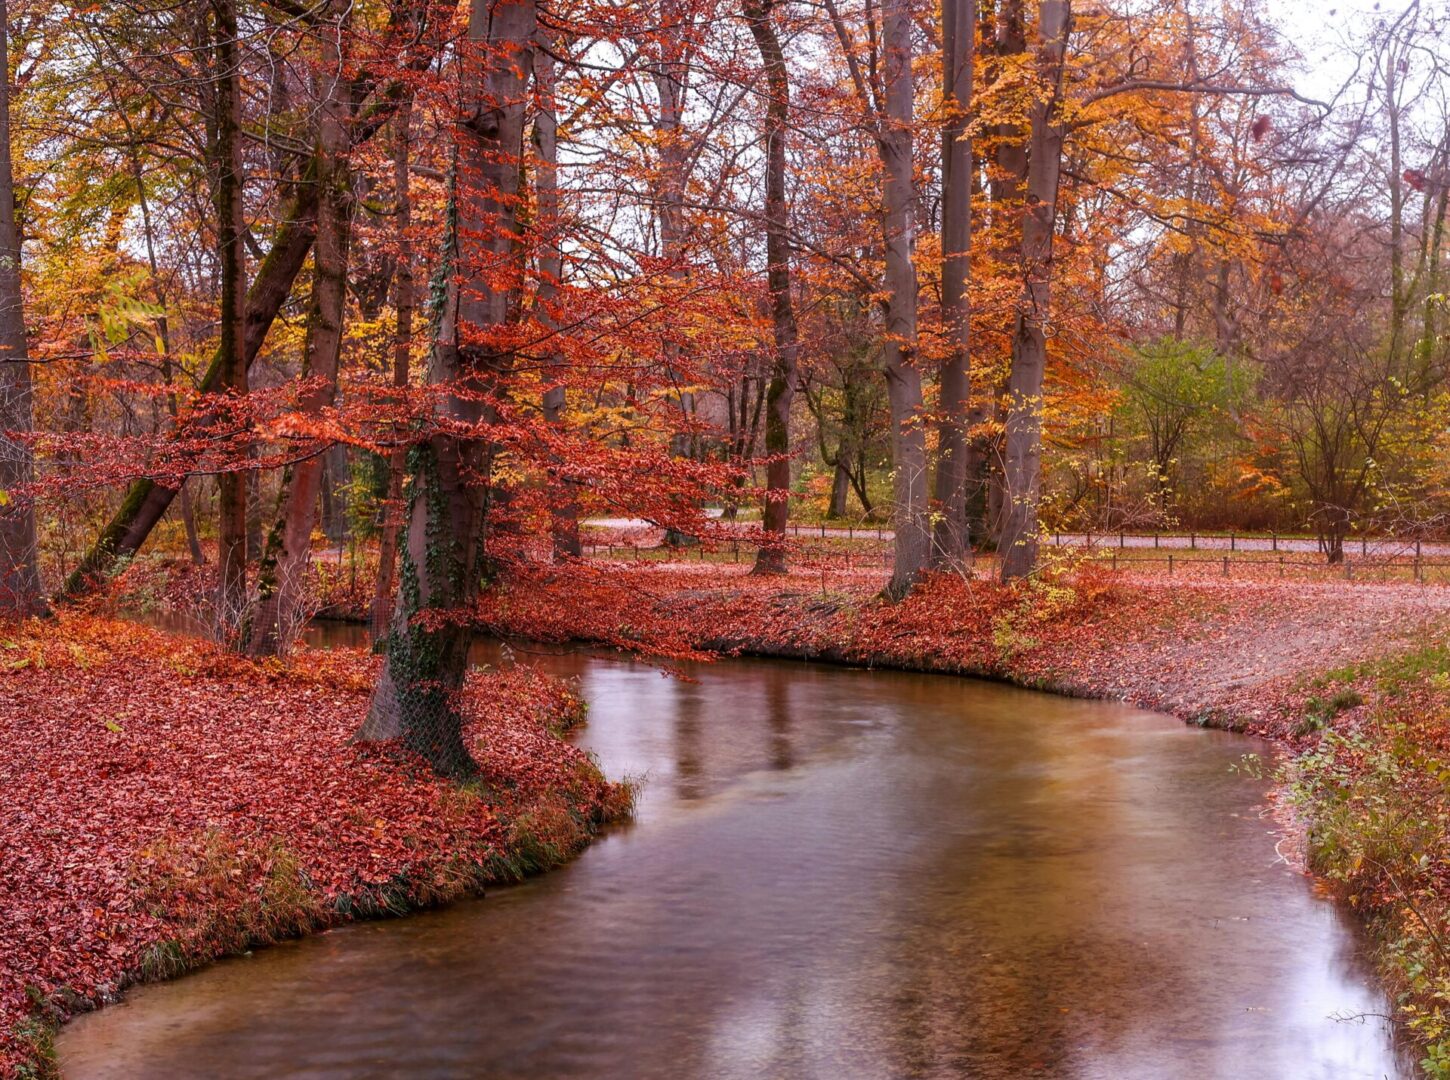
{"x":1374,"y":796}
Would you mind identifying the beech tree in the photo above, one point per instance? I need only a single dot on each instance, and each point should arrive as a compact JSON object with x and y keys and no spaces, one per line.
{"x":781,"y":392}
{"x":289,"y":542}
{"x":887,"y":101}
{"x":1022,"y":449}
{"x":444,"y":559}
{"x":20,"y":591}
{"x":950,"y":538}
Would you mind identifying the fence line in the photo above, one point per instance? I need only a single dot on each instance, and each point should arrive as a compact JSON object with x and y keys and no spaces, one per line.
{"x":1123,"y":539}
{"x":1419,"y":568}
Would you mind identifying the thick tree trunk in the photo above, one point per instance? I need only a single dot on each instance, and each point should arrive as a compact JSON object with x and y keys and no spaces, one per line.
{"x":840,"y":486}
{"x":668,"y":74}
{"x":443,"y":561}
{"x":1007,"y":37}
{"x":231,"y":256}
{"x":1022,"y":464}
{"x":903,"y":378}
{"x":563,"y":506}
{"x":282,"y":575}
{"x":402,"y":362}
{"x":770,"y":559}
{"x":20,"y":592}
{"x":950,"y":536}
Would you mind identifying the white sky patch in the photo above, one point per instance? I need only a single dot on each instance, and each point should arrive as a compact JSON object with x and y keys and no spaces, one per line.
{"x":1328,"y":32}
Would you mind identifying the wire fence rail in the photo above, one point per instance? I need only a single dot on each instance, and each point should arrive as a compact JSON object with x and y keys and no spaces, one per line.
{"x":870,"y":549}
{"x":1191,"y":540}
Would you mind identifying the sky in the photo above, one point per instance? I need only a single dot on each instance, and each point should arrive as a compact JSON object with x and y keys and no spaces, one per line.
{"x":1322,"y":28}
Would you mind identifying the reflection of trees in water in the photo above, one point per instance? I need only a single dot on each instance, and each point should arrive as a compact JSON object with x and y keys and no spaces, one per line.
{"x":690,"y":705}
{"x":1009,"y":958}
{"x":777,"y":716}
{"x":739,"y":724}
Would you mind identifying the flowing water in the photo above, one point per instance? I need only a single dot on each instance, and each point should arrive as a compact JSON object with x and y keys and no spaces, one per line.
{"x":833,"y":874}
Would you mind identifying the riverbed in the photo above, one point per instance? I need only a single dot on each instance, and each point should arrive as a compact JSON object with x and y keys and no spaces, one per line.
{"x":832,"y":874}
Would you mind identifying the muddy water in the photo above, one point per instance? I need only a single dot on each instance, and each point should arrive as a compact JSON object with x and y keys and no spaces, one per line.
{"x":834,"y":874}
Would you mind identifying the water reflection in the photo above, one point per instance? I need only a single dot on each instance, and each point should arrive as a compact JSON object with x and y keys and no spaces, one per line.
{"x":834,"y":874}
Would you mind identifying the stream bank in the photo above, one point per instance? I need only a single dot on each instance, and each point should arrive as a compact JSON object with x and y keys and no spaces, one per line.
{"x":832,"y":874}
{"x":166,"y":803}
{"x":1350,"y":681}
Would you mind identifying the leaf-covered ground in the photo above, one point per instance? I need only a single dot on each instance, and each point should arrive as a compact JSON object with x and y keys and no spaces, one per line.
{"x":163,"y":803}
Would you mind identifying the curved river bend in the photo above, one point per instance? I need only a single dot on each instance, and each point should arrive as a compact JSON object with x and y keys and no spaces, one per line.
{"x":833,"y":874}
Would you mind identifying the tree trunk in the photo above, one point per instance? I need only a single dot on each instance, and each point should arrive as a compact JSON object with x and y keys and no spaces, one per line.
{"x":1022,"y":464}
{"x":1007,"y":178}
{"x":668,"y":75}
{"x":770,"y":558}
{"x":563,"y":507}
{"x":949,"y":535}
{"x":402,"y":362}
{"x":840,"y":486}
{"x":903,"y":379}
{"x":188,"y":525}
{"x":443,"y":561}
{"x":281,"y":578}
{"x":231,"y":256}
{"x":20,"y":592}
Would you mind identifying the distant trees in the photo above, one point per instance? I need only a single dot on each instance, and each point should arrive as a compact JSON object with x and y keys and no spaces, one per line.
{"x":1175,"y":393}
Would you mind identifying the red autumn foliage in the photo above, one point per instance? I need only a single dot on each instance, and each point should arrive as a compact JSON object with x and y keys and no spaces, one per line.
{"x":167,"y":802}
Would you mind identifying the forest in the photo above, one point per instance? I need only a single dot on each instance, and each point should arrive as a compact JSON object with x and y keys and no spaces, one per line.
{"x":1100,"y":348}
